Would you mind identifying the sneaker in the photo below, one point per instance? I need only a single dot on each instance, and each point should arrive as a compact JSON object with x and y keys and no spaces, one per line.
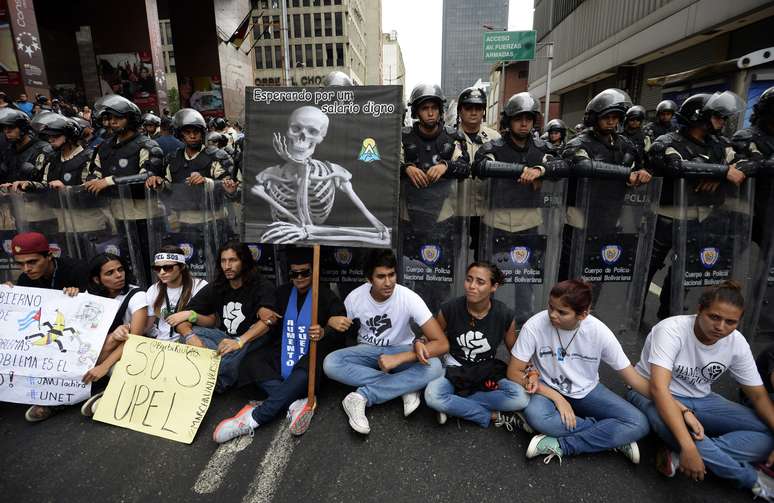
{"x":543,"y":445}
{"x":89,"y":407}
{"x":300,"y":415}
{"x":506,"y":420}
{"x":667,"y":462}
{"x":354,"y":406}
{"x":522,"y":423}
{"x":764,"y":487}
{"x":442,"y":418}
{"x":631,"y":451}
{"x":38,"y":413}
{"x":235,"y":426}
{"x":411,"y":403}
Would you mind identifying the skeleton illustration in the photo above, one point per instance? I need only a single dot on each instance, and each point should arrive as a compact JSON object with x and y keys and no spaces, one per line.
{"x":301,"y":192}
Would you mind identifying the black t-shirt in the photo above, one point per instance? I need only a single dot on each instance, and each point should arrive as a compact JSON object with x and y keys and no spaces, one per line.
{"x":473,"y":344}
{"x":237,"y":310}
{"x":68,"y":272}
{"x":765,"y":364}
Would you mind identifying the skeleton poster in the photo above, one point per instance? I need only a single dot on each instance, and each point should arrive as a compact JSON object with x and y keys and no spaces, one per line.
{"x":47,"y":343}
{"x":322,"y":165}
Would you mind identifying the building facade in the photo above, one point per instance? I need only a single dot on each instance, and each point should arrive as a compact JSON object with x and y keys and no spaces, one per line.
{"x":464,"y":23}
{"x":653,"y":49}
{"x":393,"y":69}
{"x":323,"y":36}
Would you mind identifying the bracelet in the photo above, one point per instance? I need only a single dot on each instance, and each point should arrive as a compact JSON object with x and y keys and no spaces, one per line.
{"x":193,"y":317}
{"x":188,"y":336}
{"x":239,"y":341}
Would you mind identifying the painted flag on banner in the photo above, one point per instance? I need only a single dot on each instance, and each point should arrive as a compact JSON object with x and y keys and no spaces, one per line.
{"x":32,"y":317}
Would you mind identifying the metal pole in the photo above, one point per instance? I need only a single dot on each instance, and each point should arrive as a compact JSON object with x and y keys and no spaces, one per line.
{"x":285,"y":48}
{"x":550,"y":47}
{"x":502,"y":90}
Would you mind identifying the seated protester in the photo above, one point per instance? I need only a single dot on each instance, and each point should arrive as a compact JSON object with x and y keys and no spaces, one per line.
{"x":169,"y":296}
{"x":281,"y":367}
{"x":475,"y":387}
{"x":40,"y":269}
{"x":572,"y":410}
{"x":682,"y":357}
{"x":109,"y":277}
{"x":229,"y":314}
{"x":387,"y":362}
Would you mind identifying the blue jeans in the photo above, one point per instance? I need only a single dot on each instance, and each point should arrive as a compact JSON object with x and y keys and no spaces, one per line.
{"x":280,"y":395}
{"x":359,"y":366}
{"x":229,"y":363}
{"x":734,"y":435}
{"x":604,"y":421}
{"x":477,"y":407}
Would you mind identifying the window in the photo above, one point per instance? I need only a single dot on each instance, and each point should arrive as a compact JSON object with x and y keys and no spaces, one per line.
{"x":277,"y":56}
{"x":306,"y":3}
{"x":326,"y":2}
{"x":296,"y":3}
{"x":317,"y":25}
{"x":309,"y":60}
{"x":307,"y":25}
{"x":318,"y":52}
{"x":275,"y":26}
{"x":329,"y":55}
{"x":339,"y":54}
{"x":336,"y":2}
{"x":299,"y":50}
{"x":259,"y":58}
{"x":339,"y":27}
{"x":267,"y":57}
{"x":264,"y":4}
{"x":328,"y":24}
{"x":297,"y":25}
{"x":171,"y":62}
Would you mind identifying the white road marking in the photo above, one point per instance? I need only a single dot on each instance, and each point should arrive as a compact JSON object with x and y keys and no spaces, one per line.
{"x":654,"y":289}
{"x":212,"y":476}
{"x":269,"y":474}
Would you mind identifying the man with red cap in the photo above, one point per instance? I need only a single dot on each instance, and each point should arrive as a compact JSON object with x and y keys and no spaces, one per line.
{"x":41,"y":269}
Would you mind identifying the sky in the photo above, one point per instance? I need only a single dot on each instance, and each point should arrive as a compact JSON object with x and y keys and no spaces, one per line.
{"x":418,"y":23}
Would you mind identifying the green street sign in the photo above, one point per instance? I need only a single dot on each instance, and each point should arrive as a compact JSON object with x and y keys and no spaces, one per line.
{"x":509,"y":46}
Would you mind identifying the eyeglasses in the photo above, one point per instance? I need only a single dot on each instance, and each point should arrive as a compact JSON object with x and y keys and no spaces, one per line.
{"x":303,"y":273}
{"x":165,"y":268}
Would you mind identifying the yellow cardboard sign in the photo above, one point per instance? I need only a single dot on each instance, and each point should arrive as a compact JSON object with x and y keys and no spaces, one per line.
{"x":160,"y":388}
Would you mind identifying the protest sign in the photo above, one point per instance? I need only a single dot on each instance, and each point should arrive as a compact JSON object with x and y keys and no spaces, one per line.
{"x":47,"y":343}
{"x":322,"y":165}
{"x":160,"y":388}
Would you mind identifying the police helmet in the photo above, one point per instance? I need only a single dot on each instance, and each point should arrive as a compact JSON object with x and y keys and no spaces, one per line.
{"x":691,"y":110}
{"x":666,"y":106}
{"x":764,"y":108}
{"x":556,"y":125}
{"x":521,"y":103}
{"x":118,"y":106}
{"x":636,"y":112}
{"x":607,"y":102}
{"x":219,"y":123}
{"x":188,"y":117}
{"x":11,"y":117}
{"x":724,"y":104}
{"x":337,"y":78}
{"x":151,"y":119}
{"x":426,"y":92}
{"x":471,"y":96}
{"x":54,"y":124}
{"x":218,"y":139}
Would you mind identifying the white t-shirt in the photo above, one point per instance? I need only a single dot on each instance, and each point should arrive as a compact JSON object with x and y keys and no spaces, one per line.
{"x":136,"y":303}
{"x":673,"y":345}
{"x":577,"y":373}
{"x":386,"y":323}
{"x":160,"y":329}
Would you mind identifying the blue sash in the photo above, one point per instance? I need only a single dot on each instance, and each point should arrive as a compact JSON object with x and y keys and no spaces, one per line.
{"x":295,"y":333}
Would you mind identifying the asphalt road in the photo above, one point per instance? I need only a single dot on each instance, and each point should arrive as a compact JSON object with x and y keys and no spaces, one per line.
{"x":72,"y":458}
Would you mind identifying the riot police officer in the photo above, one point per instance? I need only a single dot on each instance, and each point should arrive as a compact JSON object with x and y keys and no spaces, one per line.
{"x":26,"y":155}
{"x":433,"y":158}
{"x":632,"y":129}
{"x":70,"y":162}
{"x":150,"y":124}
{"x":556,"y":134}
{"x":690,"y":153}
{"x":663,"y":124}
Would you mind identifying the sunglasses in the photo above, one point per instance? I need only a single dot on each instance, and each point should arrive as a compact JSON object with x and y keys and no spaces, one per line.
{"x":304,"y":273}
{"x":165,"y":268}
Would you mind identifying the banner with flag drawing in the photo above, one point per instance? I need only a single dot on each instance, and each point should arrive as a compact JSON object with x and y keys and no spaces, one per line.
{"x":47,"y":342}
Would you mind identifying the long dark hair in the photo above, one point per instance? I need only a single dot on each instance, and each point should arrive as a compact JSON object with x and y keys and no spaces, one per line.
{"x":249,"y":267}
{"x":95,"y":269}
{"x":185,"y":295}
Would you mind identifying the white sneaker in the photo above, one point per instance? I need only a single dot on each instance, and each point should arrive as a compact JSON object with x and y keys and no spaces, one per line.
{"x":442,"y":418}
{"x":764,"y":487}
{"x":631,"y":451}
{"x":354,"y":406}
{"x":89,"y":407}
{"x":411,"y":403}
{"x":300,"y":415}
{"x":506,"y":420}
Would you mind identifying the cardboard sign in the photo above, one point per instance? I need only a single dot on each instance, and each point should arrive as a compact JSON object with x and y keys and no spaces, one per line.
{"x":160,"y":388}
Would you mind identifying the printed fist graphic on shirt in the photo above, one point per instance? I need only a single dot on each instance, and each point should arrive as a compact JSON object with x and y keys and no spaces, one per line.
{"x":473,"y":344}
{"x":232,"y":317}
{"x":379,"y":324}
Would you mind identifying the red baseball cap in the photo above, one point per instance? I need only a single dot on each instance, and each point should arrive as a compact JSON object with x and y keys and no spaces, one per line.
{"x":29,"y":242}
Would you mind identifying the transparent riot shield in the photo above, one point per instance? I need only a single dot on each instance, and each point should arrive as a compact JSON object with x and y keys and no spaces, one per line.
{"x":41,"y":212}
{"x":9,"y":271}
{"x":135,"y":217}
{"x":343,"y":268}
{"x":184,"y":222}
{"x":612,"y":238}
{"x":521,"y":233}
{"x":88,"y":223}
{"x":226,"y":208}
{"x":432,"y":242}
{"x":712,"y":237}
{"x":759,"y":318}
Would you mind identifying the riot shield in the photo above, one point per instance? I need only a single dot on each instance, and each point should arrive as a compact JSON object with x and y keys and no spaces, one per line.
{"x":433,"y":243}
{"x":135,"y":216}
{"x":521,"y":233}
{"x":184,"y":222}
{"x":343,"y":268}
{"x":9,"y":271}
{"x":759,"y":317}
{"x":612,"y":238}
{"x":88,"y":223}
{"x":712,"y":235}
